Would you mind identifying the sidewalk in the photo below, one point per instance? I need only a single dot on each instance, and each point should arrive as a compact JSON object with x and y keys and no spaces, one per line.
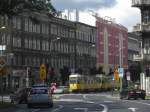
{"x":114,"y":95}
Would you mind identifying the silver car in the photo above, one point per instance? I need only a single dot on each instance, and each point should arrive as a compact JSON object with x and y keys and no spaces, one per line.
{"x":40,"y":96}
{"x":61,"y":89}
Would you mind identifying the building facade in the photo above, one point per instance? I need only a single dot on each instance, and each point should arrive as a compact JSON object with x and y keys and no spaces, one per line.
{"x":134,"y":56}
{"x":51,"y":41}
{"x":144,"y":28}
{"x":112,"y":44}
{"x":144,"y":31}
{"x":134,"y":47}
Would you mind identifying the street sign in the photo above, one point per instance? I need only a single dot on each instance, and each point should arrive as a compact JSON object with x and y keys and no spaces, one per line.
{"x":120,"y":70}
{"x":2,"y":64}
{"x":42,"y":72}
{"x":116,"y":75}
{"x":128,"y":76}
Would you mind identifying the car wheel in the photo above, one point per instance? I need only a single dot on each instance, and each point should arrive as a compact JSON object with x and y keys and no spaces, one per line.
{"x":29,"y":105}
{"x":128,"y":98}
{"x":143,"y":98}
{"x":51,"y":105}
{"x":135,"y":98}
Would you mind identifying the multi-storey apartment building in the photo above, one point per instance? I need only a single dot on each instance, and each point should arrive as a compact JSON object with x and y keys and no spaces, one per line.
{"x":144,"y":28}
{"x":54,"y":42}
{"x":112,"y":44}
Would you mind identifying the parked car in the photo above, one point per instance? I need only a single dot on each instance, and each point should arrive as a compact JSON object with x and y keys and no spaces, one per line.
{"x":61,"y":89}
{"x":20,"y":96}
{"x":40,"y":96}
{"x":133,"y":93}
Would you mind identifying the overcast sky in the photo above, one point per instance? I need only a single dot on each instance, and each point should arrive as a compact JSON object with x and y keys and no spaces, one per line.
{"x":121,"y":10}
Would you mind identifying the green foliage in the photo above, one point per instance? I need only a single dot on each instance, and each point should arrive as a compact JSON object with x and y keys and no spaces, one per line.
{"x":15,"y":7}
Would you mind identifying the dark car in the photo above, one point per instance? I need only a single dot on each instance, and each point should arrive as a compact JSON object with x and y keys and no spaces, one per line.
{"x":132,"y":94}
{"x":20,"y":96}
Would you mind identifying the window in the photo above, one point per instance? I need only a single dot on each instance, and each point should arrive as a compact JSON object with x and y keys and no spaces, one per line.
{"x":8,"y":39}
{"x":3,"y":38}
{"x":26,"y":24}
{"x":26,"y":43}
{"x":34,"y":44}
{"x":53,"y":29}
{"x":38,"y":45}
{"x":146,"y":17}
{"x":38,"y":28}
{"x":16,"y":41}
{"x":30,"y":44}
{"x":30,"y":26}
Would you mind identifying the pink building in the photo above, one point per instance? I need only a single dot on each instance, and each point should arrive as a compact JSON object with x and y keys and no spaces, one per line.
{"x":112,"y":44}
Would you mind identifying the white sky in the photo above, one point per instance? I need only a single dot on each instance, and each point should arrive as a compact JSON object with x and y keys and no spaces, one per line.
{"x":123,"y":13}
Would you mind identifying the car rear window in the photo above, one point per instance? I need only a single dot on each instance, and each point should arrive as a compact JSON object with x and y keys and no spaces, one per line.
{"x":39,"y":91}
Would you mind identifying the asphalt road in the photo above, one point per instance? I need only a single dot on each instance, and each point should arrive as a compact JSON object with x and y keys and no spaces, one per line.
{"x":91,"y":103}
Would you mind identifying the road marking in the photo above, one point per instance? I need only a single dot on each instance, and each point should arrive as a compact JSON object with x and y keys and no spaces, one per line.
{"x":108,"y":101}
{"x":35,"y":110}
{"x":138,"y":102}
{"x":84,"y":109}
{"x":57,"y":109}
{"x":71,"y":100}
{"x":105,"y":108}
{"x":84,"y":96}
{"x":89,"y":102}
{"x":132,"y":109}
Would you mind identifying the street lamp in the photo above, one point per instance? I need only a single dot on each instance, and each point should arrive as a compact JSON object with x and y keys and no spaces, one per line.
{"x":2,"y":27}
{"x":51,"y":47}
{"x":51,"y":43}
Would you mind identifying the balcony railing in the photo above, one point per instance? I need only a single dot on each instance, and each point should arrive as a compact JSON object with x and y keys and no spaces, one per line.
{"x":146,"y":27}
{"x":137,"y":28}
{"x":142,"y":28}
{"x":140,"y":2}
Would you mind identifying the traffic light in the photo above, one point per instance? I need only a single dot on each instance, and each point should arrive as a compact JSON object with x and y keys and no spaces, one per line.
{"x":147,"y":71}
{"x":116,"y":74}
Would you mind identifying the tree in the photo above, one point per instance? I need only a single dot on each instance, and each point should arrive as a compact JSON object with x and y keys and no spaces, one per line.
{"x":100,"y":70}
{"x":110,"y":72}
{"x":135,"y":71}
{"x":93,"y":71}
{"x":64,"y":74}
{"x":14,"y":7}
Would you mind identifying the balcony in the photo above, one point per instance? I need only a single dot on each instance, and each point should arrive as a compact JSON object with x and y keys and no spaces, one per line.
{"x":139,"y":3}
{"x":137,"y":28}
{"x":146,"y":27}
{"x":147,"y":57}
{"x":138,"y":57}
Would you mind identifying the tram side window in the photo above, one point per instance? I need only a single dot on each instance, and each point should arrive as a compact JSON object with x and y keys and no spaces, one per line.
{"x":73,"y":81}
